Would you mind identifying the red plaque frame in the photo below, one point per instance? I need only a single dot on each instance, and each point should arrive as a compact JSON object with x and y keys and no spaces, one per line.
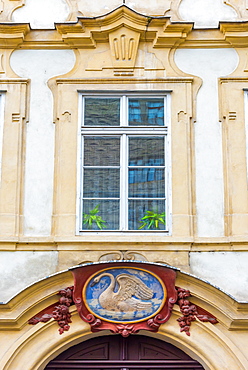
{"x":168,"y":277}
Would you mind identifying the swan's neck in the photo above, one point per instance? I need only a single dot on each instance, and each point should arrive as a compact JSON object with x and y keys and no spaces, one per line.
{"x":112,"y":280}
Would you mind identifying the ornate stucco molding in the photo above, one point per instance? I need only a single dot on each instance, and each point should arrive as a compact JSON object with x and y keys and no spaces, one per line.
{"x":88,"y":31}
{"x":12,"y":35}
{"x":236,"y":33}
{"x":131,"y":27}
{"x":123,"y":30}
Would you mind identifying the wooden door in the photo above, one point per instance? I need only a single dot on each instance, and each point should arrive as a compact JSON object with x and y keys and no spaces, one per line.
{"x":115,"y":352}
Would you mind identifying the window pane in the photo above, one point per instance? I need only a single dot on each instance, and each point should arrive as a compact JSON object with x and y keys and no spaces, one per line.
{"x":101,"y":183}
{"x":101,"y":151}
{"x":137,"y":210}
{"x":108,"y":210}
{"x":146,"y":151}
{"x":102,"y":112}
{"x":146,"y":111}
{"x":146,"y":183}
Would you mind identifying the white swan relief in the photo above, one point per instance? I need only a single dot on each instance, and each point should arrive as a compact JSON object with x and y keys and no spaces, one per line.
{"x":131,"y":293}
{"x":124,"y":295}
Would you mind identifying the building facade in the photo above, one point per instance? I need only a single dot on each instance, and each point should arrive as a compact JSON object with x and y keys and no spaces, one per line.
{"x":124,"y":137}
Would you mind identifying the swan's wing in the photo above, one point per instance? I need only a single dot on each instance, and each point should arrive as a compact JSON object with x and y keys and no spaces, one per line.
{"x":137,"y":304}
{"x":132,"y":286}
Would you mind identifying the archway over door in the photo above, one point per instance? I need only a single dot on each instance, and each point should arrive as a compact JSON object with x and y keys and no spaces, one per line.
{"x":115,"y":352}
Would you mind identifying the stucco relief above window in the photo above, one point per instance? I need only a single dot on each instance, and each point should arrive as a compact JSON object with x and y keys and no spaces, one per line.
{"x":125,"y":42}
{"x":125,"y":54}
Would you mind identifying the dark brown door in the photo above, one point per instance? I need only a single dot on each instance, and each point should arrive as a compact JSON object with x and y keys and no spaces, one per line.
{"x":115,"y":352}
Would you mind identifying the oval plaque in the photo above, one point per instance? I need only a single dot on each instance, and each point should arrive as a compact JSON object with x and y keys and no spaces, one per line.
{"x":124,"y":295}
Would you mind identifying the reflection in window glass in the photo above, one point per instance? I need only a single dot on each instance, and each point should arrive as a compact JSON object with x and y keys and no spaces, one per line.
{"x":101,"y":151}
{"x":102,"y":112}
{"x":146,"y":183}
{"x":146,"y":111}
{"x":101,"y":183}
{"x":108,"y":211}
{"x":146,"y":151}
{"x":137,"y":210}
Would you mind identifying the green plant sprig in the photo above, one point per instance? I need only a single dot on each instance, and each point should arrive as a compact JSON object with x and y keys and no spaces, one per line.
{"x":91,"y":218}
{"x":152,"y":220}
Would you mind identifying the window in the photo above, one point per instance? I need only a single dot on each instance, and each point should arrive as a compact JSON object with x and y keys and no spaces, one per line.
{"x":124,"y":178}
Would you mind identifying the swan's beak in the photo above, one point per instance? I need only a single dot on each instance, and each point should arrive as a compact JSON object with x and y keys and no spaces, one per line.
{"x":93,"y":283}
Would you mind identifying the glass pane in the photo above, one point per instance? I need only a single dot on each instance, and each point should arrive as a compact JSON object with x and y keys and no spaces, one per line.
{"x":107,"y":210}
{"x":102,"y":112}
{"x":137,"y":210}
{"x":101,"y":151}
{"x":101,"y":183}
{"x":146,"y":151}
{"x":146,"y":183}
{"x":146,"y":111}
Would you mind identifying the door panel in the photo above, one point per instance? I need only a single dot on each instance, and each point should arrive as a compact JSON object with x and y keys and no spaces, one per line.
{"x":132,"y":353}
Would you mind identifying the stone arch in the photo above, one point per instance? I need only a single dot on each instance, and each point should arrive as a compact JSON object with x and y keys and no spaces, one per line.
{"x":33,"y":347}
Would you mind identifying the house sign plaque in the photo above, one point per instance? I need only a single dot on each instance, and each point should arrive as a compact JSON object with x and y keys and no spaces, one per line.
{"x":124,"y":295}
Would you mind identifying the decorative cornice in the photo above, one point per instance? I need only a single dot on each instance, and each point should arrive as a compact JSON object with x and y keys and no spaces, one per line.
{"x":172,"y":34}
{"x":236,"y":33}
{"x":12,"y":34}
{"x":88,"y":31}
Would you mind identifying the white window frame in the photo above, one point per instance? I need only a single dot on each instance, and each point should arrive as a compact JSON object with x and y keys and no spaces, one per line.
{"x":124,"y":131}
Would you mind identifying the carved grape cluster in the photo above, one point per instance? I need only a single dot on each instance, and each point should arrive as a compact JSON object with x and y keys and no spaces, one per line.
{"x":61,"y":312}
{"x":189,"y":311}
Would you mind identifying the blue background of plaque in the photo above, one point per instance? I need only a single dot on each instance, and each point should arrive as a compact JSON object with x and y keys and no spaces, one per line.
{"x":92,"y":294}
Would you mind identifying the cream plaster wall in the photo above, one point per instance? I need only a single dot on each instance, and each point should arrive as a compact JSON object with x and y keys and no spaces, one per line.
{"x":1,"y":131}
{"x":42,"y":13}
{"x":226,"y":270}
{"x":39,"y":166}
{"x":206,"y":13}
{"x":246,"y":131}
{"x":89,"y":8}
{"x":20,"y":269}
{"x":149,"y":7}
{"x":208,"y":64}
